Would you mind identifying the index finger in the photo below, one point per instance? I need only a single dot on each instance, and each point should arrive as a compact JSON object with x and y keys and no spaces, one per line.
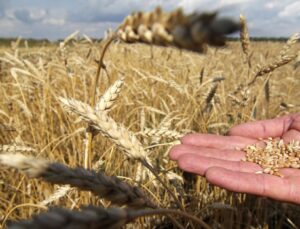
{"x":265,"y":128}
{"x":217,"y":141}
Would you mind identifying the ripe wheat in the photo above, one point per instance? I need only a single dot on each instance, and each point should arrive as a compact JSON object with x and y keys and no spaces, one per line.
{"x":190,"y":32}
{"x":110,"y":188}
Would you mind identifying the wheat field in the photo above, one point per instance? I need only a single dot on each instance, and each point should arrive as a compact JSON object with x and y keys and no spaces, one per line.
{"x":147,"y":97}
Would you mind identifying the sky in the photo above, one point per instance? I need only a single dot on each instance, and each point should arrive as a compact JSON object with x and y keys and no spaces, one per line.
{"x":56,"y":19}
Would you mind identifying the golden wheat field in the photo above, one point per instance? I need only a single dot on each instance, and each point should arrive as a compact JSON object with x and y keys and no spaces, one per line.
{"x":147,"y":97}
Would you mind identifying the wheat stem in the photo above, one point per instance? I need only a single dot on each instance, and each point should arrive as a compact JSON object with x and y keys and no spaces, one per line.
{"x":148,"y":166}
{"x":89,"y":145}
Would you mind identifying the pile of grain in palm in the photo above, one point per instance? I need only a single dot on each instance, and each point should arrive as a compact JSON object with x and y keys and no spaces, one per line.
{"x":274,"y":155}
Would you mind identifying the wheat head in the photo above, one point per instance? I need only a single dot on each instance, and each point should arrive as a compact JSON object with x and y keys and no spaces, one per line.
{"x":107,"y":126}
{"x":110,"y":188}
{"x":174,"y":28}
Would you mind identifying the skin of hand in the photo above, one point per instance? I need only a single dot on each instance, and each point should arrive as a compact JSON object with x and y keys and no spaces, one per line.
{"x":217,"y":159}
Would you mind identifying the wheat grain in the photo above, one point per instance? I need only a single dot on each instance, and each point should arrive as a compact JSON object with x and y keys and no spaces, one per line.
{"x":274,"y":156}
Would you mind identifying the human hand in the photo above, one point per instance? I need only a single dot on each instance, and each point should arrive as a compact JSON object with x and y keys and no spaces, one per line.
{"x":217,"y":158}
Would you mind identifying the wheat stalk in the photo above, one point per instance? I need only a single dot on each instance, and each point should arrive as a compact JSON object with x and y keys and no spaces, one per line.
{"x":89,"y":135}
{"x":110,"y":188}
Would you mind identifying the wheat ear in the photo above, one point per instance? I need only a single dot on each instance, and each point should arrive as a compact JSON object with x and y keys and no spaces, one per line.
{"x":245,"y":40}
{"x":59,"y":193}
{"x":209,"y":98}
{"x":106,"y":126}
{"x":15,"y":149}
{"x":107,"y":100}
{"x":283,"y":60}
{"x":101,"y":122}
{"x":89,"y":217}
{"x":89,"y":134}
{"x":162,"y":132}
{"x":62,"y":191}
{"x":288,"y":45}
{"x":110,"y":188}
{"x":95,"y":217}
{"x":118,"y":133}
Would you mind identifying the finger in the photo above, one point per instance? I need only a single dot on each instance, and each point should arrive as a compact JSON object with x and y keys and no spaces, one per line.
{"x":291,"y":135}
{"x":257,"y":184}
{"x":197,"y":164}
{"x":263,"y":129}
{"x":217,"y":141}
{"x":230,"y":155}
{"x":288,"y":172}
{"x":296,"y":121}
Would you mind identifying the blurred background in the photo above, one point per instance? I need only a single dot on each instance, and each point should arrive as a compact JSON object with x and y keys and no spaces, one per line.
{"x":55,"y":19}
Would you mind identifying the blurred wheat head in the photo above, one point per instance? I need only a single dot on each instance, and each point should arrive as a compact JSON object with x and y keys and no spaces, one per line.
{"x":192,"y":32}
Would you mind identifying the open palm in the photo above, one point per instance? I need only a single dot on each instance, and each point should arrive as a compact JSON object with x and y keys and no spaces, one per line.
{"x":217,"y":158}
